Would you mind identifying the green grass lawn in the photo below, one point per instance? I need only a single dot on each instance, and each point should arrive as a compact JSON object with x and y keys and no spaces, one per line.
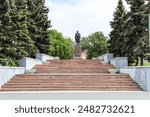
{"x":145,"y":64}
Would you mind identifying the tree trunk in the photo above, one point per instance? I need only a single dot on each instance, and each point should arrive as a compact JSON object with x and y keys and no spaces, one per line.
{"x":141,"y":60}
{"x":137,"y":61}
{"x":148,"y":58}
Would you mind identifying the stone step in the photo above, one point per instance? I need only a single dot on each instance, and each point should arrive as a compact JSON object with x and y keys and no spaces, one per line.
{"x":76,"y":61}
{"x":74,"y":89}
{"x":74,"y":66}
{"x":70,"y":70}
{"x":71,"y":77}
{"x":58,"y":77}
{"x":70,"y":86}
{"x":54,"y":81}
{"x":52,"y":84}
{"x":74,"y":74}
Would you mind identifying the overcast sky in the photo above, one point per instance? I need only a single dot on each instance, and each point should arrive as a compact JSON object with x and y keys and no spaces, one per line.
{"x":87,"y":16}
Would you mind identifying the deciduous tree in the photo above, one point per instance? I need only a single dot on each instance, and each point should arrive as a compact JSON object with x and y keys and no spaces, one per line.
{"x":94,"y":45}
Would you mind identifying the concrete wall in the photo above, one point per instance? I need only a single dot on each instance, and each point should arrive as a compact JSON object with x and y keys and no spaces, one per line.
{"x":6,"y":73}
{"x":29,"y":63}
{"x":43,"y":57}
{"x":106,"y":57}
{"x":119,"y":62}
{"x":141,"y":75}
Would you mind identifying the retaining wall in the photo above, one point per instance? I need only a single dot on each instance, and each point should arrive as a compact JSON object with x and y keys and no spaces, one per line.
{"x":139,"y":74}
{"x":6,"y":72}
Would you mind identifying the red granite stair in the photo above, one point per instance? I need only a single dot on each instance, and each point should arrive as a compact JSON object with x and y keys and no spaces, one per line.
{"x":71,"y":75}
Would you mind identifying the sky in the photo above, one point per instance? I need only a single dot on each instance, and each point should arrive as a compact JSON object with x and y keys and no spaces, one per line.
{"x":86,"y":16}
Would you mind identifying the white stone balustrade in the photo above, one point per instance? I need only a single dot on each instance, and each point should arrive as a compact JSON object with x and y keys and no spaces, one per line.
{"x":139,"y":74}
{"x":29,"y":63}
{"x":43,"y":57}
{"x":6,"y":73}
{"x":25,"y":64}
{"x":106,"y":57}
{"x":119,"y":62}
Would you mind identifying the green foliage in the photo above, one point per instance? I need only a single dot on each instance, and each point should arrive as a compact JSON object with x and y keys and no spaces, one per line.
{"x":39,"y":25}
{"x":21,"y":20}
{"x":23,"y":30}
{"x":129,"y":36}
{"x":60,"y":46}
{"x":135,"y":31}
{"x":94,"y":45}
{"x":7,"y":62}
{"x":116,"y":41}
{"x":8,"y":48}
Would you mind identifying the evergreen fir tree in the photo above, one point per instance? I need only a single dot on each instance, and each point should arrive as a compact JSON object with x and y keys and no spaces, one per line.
{"x":142,"y":47}
{"x":24,"y":40}
{"x":135,"y":30}
{"x":39,"y":25}
{"x":7,"y":45}
{"x":116,"y":37}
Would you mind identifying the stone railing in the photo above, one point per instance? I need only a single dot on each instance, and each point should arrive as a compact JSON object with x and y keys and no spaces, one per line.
{"x":106,"y":57}
{"x":44,"y":57}
{"x":29,"y":63}
{"x":6,"y":73}
{"x":25,"y":64}
{"x":119,"y":62}
{"x":141,"y":75}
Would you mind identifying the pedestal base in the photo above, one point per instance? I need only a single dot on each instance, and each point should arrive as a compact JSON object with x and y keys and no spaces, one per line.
{"x":77,"y":51}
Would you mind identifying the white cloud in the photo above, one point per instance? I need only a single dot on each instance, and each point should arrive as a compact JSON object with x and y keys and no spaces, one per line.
{"x":87,"y":16}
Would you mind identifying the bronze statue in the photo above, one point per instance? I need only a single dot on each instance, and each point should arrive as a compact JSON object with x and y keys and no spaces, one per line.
{"x":77,"y":37}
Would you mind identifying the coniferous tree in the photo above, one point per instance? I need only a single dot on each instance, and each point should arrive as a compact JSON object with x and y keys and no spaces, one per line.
{"x":23,"y":30}
{"x":116,"y":37}
{"x":22,"y":22}
{"x":7,"y":45}
{"x":135,"y":29}
{"x":39,"y":25}
{"x":142,"y":46}
{"x":126,"y":43}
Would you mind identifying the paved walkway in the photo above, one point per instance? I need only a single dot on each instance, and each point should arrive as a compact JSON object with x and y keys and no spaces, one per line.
{"x":75,"y":95}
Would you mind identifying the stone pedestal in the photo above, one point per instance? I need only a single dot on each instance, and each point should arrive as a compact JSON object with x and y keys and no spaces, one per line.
{"x":77,"y":51}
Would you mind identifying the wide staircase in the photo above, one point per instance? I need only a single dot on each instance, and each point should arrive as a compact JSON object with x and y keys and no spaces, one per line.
{"x":71,"y":75}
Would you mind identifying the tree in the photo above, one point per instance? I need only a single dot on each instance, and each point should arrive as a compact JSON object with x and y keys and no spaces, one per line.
{"x":21,"y":20}
{"x":60,"y":46}
{"x":94,"y":45}
{"x":142,"y":46}
{"x":116,"y":37}
{"x":39,"y":25}
{"x":134,"y":31}
{"x":7,"y":45}
{"x":23,"y":29}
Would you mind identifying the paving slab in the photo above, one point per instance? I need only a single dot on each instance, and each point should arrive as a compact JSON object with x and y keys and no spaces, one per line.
{"x":75,"y":95}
